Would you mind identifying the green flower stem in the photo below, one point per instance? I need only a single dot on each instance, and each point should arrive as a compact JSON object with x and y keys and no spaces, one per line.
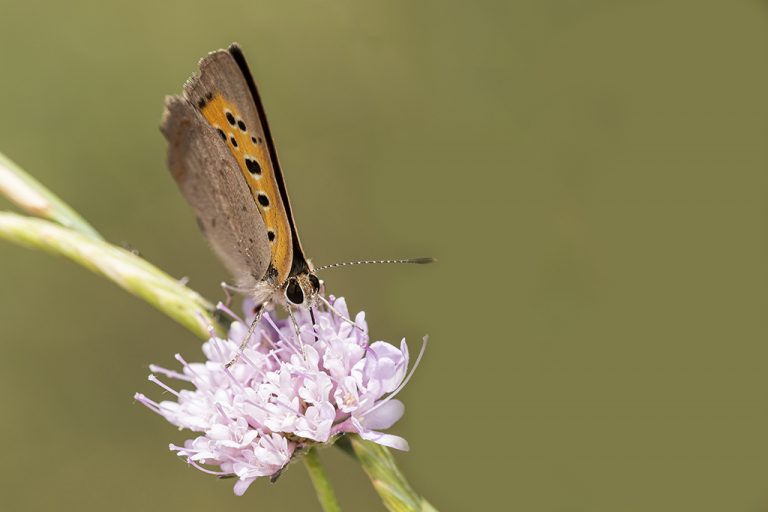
{"x":389,"y":482}
{"x":30,"y":195}
{"x":320,"y":480}
{"x":129,"y":271}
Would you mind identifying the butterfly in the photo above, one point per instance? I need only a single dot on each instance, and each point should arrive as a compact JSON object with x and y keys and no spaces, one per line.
{"x":222,"y":157}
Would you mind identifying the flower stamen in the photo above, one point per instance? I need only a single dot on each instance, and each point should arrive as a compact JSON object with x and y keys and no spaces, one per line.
{"x":160,"y":383}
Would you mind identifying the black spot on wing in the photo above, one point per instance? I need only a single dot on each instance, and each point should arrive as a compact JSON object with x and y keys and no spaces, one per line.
{"x":253,"y":166}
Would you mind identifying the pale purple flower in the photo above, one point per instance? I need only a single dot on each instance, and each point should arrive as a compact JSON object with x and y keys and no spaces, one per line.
{"x":284,"y":395}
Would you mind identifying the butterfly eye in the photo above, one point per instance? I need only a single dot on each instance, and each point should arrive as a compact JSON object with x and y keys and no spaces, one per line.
{"x":314,"y":281}
{"x":294,"y":292}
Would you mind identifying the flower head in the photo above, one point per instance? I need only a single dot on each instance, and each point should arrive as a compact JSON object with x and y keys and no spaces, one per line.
{"x":284,"y":394}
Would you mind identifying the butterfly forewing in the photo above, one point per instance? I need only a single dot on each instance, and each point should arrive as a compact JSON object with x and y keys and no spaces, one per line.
{"x":300,"y":264}
{"x":223,"y":97}
{"x":212,"y":182}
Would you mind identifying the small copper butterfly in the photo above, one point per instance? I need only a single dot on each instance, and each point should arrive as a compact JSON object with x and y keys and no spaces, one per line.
{"x":223,"y":158}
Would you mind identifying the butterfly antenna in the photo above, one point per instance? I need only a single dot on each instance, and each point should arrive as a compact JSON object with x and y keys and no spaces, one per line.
{"x":415,"y":261}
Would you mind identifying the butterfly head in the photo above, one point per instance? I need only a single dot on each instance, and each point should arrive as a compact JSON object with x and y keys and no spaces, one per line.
{"x":302,"y":289}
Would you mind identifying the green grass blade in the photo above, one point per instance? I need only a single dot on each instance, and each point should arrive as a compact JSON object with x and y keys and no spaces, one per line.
{"x":129,"y":271}
{"x":31,"y":196}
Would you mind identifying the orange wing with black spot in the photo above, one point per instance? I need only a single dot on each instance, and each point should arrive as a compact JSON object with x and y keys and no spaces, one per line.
{"x":225,"y":96}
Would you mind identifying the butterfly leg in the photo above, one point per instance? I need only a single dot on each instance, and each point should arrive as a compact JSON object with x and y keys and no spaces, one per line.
{"x":298,"y":332}
{"x":314,"y":322}
{"x":247,"y":337}
{"x":231,"y":288}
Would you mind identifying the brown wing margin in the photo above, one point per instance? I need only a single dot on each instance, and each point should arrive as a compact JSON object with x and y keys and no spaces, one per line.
{"x":299,"y":264}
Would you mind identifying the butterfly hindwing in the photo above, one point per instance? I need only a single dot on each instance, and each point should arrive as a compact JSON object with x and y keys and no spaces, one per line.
{"x":211,"y":181}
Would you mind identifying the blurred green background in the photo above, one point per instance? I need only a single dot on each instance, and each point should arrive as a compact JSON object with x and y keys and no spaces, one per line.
{"x":591,"y":175}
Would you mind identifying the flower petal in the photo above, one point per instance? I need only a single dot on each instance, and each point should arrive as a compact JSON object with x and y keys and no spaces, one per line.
{"x":385,"y":416}
{"x":393,"y":441}
{"x":390,"y":440}
{"x":242,"y":485}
